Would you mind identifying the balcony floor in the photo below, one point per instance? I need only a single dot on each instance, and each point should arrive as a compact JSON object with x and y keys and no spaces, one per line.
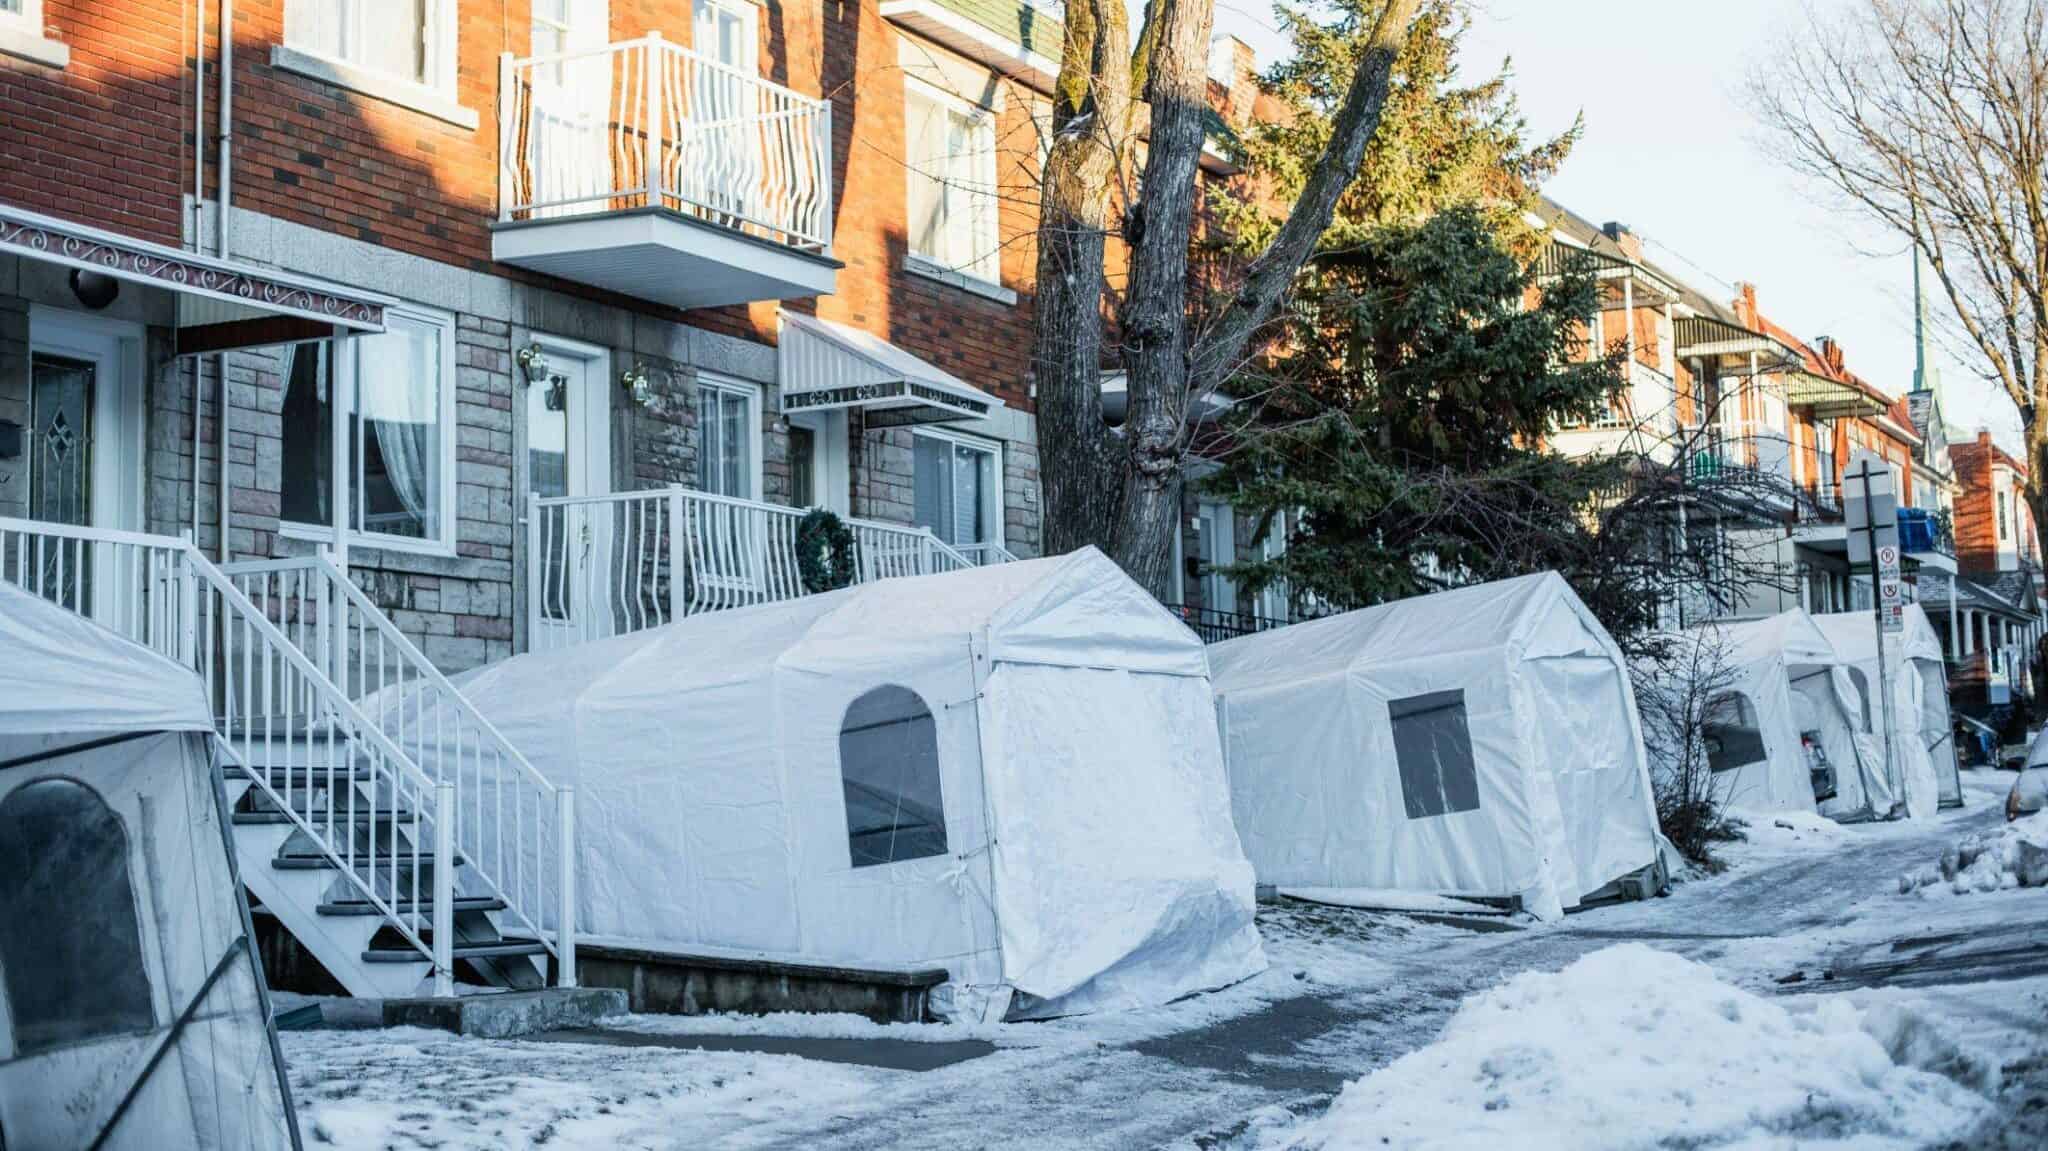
{"x":664,"y":256}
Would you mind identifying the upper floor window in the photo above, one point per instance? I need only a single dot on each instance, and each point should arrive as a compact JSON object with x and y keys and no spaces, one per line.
{"x":398,"y":404}
{"x":723,"y":30}
{"x":950,"y":148}
{"x":957,"y":484}
{"x":2004,"y":527}
{"x":412,"y":41}
{"x":728,"y":438}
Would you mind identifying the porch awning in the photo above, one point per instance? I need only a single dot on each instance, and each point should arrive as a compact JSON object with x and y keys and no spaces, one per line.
{"x":826,"y":365}
{"x":222,"y":304}
{"x":1829,"y":399}
{"x":1706,"y":337}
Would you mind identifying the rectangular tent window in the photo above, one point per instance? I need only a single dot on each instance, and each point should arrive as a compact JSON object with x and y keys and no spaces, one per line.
{"x":1433,"y":748}
{"x":1734,"y":738}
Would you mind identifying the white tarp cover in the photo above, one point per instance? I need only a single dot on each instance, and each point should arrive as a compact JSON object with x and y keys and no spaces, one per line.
{"x":1793,"y":682}
{"x":1926,"y":757}
{"x":1088,"y":859}
{"x":130,"y":998}
{"x":1355,"y":763}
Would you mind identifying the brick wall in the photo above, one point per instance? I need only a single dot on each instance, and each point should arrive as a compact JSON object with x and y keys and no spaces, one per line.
{"x":105,"y":139}
{"x":1976,"y":515}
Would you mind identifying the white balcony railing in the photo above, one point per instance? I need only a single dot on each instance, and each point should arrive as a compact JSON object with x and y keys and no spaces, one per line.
{"x":647,"y":123}
{"x":606,"y":565}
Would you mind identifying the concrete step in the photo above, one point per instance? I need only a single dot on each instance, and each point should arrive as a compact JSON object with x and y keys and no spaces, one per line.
{"x":406,"y":906}
{"x":498,"y":949}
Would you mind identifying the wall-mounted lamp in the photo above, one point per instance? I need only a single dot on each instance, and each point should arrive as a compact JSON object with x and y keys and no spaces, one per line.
{"x":533,"y":363}
{"x":637,"y":384}
{"x":94,"y":289}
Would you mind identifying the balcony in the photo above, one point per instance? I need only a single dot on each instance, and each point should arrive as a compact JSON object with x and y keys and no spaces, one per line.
{"x":613,"y":564}
{"x":645,"y":169}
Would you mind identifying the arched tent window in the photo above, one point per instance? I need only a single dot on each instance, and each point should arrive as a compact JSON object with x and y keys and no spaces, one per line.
{"x":1862,"y":683}
{"x":70,"y":949}
{"x":889,"y":765}
{"x":1732,"y":732}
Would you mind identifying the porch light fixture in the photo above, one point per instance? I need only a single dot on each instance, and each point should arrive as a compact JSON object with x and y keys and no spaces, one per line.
{"x":637,"y":384}
{"x":533,"y":363}
{"x":94,"y":289}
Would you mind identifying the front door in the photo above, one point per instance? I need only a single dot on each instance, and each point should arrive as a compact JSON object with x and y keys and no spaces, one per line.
{"x":568,"y":455}
{"x":817,"y":461}
{"x":81,"y":460}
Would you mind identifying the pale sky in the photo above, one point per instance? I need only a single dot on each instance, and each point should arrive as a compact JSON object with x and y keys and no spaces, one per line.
{"x":1672,"y":149}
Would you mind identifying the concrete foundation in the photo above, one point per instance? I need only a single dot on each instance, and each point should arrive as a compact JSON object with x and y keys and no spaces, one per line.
{"x":508,"y":1014}
{"x":681,"y":984}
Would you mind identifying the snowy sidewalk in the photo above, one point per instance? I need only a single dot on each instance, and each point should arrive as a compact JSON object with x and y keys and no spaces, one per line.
{"x":1349,"y":995}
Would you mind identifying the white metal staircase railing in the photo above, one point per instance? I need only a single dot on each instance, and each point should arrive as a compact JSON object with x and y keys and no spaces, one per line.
{"x":292,"y":728}
{"x":512,"y":825}
{"x":607,"y":565}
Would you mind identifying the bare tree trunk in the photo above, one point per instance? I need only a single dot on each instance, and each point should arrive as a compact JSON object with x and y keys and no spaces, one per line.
{"x":1122,"y":492}
{"x":1091,"y":110}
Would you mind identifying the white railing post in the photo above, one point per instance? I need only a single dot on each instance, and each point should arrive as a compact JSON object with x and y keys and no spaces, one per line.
{"x":444,"y":887}
{"x":650,"y":81}
{"x":924,"y":552}
{"x":677,"y":550}
{"x":536,"y":584}
{"x":508,"y":131}
{"x":188,"y":608}
{"x":565,"y":886}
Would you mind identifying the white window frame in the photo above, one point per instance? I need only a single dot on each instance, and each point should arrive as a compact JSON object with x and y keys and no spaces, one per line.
{"x":985,"y":239}
{"x":434,"y":95}
{"x":749,"y":15}
{"x":21,"y":35}
{"x":993,"y":499}
{"x":756,"y":443}
{"x":342,"y":366}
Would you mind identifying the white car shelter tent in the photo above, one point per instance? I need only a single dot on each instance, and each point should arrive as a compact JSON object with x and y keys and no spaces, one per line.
{"x":1480,"y":742}
{"x":1009,"y":772}
{"x":1927,"y":757}
{"x":132,"y":1008}
{"x":1777,"y":685}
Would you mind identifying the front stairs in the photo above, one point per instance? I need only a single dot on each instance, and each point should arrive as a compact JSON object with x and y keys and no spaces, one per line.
{"x":310,"y":893}
{"x":351,"y":764}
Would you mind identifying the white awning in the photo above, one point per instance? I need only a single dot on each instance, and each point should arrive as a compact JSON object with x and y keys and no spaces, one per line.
{"x":222,"y":304}
{"x":826,"y":365}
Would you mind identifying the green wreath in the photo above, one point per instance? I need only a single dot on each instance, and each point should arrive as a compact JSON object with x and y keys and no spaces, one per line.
{"x":824,"y":551}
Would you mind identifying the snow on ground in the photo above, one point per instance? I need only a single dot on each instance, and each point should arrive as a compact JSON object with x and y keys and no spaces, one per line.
{"x":409,"y":1088}
{"x":2015,"y":855}
{"x":1349,"y":994}
{"x":1630,"y":1047}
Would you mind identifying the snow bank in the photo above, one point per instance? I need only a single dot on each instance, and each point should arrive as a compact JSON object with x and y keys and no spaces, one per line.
{"x":2015,"y":855}
{"x":1635,"y":1047}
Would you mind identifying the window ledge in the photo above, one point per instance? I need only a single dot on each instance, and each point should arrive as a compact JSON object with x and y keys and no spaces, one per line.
{"x":417,"y":97}
{"x":919,"y":266}
{"x":28,"y":45}
{"x":321,"y":534}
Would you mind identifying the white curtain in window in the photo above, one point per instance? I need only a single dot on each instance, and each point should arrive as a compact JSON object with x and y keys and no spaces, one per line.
{"x":952,"y":205}
{"x":387,"y":36}
{"x":953,"y":486}
{"x":398,"y":391}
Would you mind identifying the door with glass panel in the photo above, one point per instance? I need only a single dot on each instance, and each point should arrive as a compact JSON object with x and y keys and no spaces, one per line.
{"x":568,"y":145}
{"x":721,"y":160}
{"x":955,"y":491}
{"x":59,"y":451}
{"x":578,"y":548}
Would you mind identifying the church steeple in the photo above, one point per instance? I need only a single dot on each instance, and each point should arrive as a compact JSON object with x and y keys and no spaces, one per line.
{"x":1926,"y":378}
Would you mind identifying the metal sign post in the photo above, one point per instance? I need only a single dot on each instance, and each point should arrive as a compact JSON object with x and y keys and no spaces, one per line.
{"x":1871,"y":515}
